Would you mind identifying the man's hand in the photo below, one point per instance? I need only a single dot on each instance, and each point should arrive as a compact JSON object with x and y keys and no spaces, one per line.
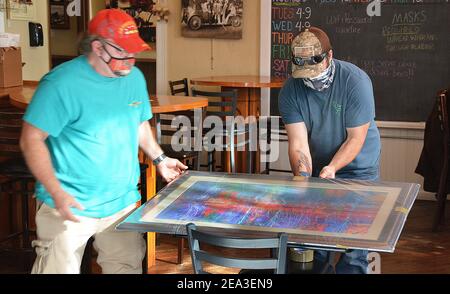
{"x":328,"y":172}
{"x":170,"y":168}
{"x":63,"y":203}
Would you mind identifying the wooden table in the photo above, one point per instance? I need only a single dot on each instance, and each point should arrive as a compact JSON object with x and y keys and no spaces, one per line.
{"x":27,"y":89}
{"x":160,"y":104}
{"x":249,"y":99}
{"x":249,"y":89}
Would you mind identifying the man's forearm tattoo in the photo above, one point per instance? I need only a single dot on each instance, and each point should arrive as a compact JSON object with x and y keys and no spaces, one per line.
{"x":304,"y":163}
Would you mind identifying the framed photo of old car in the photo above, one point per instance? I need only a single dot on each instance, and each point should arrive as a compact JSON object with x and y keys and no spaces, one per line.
{"x":219,"y":19}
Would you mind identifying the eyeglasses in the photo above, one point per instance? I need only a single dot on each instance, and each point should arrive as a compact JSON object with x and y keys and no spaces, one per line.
{"x":300,"y":61}
{"x":115,"y":47}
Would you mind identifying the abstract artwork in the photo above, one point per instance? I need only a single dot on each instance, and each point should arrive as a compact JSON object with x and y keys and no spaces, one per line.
{"x":313,"y":212}
{"x":270,"y":206}
{"x":293,"y":207}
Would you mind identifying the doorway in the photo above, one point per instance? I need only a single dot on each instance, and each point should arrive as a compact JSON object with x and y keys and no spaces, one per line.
{"x":66,"y":32}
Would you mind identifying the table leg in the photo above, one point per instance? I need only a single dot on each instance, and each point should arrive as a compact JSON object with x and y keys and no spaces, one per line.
{"x":249,"y":104}
{"x":151,"y":237}
{"x":254,"y":96}
{"x":151,"y":192}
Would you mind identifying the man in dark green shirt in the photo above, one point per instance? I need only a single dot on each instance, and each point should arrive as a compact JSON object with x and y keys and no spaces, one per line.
{"x":329,"y":111}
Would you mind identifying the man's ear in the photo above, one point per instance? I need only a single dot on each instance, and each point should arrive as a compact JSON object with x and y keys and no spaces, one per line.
{"x":97,"y":47}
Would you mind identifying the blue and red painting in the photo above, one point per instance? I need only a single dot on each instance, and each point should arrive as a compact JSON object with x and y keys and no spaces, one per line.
{"x":274,"y":206}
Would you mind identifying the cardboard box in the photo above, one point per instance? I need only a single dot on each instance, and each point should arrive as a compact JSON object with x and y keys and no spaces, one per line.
{"x":10,"y":67}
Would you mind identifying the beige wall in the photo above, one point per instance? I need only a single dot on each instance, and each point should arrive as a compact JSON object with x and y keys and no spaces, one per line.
{"x":191,"y":57}
{"x":36,"y":58}
{"x":95,"y":6}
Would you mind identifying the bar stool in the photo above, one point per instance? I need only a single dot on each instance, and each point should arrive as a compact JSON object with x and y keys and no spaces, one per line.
{"x":273,"y":133}
{"x":226,"y":107}
{"x":16,"y":181}
{"x":190,"y":158}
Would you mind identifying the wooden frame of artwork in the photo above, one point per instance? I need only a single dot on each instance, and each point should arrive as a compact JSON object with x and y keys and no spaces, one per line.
{"x":314,"y":212}
{"x":21,"y":11}
{"x":59,"y":20}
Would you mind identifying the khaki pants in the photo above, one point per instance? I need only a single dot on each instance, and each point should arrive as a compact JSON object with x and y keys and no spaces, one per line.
{"x":60,"y":244}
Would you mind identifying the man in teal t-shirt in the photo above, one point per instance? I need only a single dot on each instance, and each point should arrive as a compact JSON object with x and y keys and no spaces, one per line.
{"x":81,"y":136}
{"x":329,"y":111}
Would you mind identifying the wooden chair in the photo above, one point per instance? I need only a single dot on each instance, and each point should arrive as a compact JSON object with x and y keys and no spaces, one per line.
{"x":278,"y":246}
{"x":190,"y":158}
{"x":179,"y":87}
{"x":443,"y":109}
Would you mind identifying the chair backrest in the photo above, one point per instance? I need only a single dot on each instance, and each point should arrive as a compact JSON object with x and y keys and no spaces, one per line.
{"x":176,"y":88}
{"x":198,"y":255}
{"x":179,"y":87}
{"x":10,"y":128}
{"x":227,"y":104}
{"x":273,"y":133}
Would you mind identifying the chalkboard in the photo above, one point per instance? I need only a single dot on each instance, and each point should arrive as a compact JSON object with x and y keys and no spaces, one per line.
{"x":405,"y":51}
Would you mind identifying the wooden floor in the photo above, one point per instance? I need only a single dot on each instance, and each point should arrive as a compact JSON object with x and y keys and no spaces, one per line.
{"x":418,"y":251}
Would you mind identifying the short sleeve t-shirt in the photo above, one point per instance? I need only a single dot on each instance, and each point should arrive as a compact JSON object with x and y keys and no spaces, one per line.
{"x":348,"y":103}
{"x":93,"y":123}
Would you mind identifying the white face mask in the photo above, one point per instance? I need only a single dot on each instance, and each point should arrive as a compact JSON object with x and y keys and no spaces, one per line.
{"x":322,"y":81}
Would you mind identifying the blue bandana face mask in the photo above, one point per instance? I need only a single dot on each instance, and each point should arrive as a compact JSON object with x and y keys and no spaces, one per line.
{"x":324,"y":80}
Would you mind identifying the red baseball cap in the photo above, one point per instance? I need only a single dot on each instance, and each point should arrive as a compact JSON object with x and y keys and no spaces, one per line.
{"x":117,"y":25}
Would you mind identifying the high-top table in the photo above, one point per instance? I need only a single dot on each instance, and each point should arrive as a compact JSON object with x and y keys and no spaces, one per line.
{"x":249,"y":89}
{"x":21,"y":97}
{"x":249,"y":100}
{"x":27,"y":89}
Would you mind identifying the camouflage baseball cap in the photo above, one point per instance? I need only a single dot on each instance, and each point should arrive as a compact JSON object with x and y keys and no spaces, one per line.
{"x":310,"y":42}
